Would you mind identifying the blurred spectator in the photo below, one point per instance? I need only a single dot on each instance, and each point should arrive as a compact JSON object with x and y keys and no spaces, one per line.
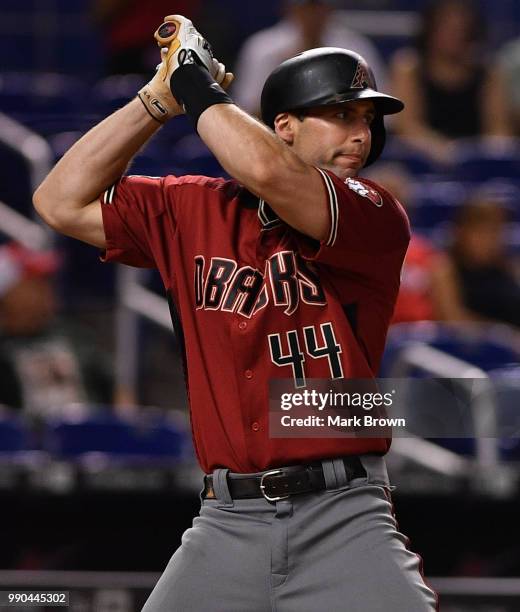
{"x":477,"y":280}
{"x":306,"y":24}
{"x":43,"y":363}
{"x":129,"y":26}
{"x":510,"y":67}
{"x":451,"y":89}
{"x":415,"y":301}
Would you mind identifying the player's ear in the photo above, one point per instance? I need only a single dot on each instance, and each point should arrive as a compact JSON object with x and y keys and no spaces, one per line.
{"x":284,"y":127}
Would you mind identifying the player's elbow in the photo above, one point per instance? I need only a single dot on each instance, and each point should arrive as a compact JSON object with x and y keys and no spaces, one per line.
{"x":48,"y":209}
{"x":42,"y":205}
{"x":263,"y":177}
{"x":275,"y":174}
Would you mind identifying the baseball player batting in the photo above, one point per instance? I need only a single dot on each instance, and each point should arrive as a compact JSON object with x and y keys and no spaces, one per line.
{"x":289,"y":270}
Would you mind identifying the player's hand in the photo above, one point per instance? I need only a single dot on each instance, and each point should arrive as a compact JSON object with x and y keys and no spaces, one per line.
{"x":180,"y":44}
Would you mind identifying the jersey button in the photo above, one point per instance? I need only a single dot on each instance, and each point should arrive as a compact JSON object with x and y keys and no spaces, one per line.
{"x":242,"y":325}
{"x":255,"y":426}
{"x":248,"y":374}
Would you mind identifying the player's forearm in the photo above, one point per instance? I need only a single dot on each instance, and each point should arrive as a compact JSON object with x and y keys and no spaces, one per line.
{"x":98,"y":159}
{"x":244,"y":147}
{"x":248,"y":150}
{"x":268,"y":167}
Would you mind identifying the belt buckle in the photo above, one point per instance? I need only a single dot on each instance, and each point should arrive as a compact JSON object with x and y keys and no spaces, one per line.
{"x":262,"y":486}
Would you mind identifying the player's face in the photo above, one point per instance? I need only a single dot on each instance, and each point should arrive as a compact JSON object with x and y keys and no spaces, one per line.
{"x":337,"y":138}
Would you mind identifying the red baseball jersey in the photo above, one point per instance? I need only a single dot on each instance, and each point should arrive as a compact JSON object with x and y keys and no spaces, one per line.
{"x":254,"y":300}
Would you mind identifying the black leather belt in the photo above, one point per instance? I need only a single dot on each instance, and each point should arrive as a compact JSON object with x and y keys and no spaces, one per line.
{"x":280,"y":483}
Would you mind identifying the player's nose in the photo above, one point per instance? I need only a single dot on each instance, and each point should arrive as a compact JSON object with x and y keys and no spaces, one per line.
{"x":360,"y":131}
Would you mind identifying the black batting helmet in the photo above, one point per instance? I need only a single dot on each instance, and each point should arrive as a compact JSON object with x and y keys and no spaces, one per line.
{"x":322,"y":77}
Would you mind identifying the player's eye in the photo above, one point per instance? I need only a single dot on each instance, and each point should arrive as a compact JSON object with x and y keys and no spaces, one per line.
{"x":341,"y":115}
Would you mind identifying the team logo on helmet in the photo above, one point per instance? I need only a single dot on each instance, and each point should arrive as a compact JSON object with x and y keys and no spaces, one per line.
{"x":365,"y":191}
{"x":361,"y":79}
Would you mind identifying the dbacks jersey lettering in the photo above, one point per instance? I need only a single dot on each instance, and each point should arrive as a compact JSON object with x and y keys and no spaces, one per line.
{"x":257,"y":300}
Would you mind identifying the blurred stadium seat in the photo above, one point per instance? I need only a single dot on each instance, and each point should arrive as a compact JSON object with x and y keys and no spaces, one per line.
{"x":14,"y":436}
{"x":104,"y":432}
{"x":414,"y":161}
{"x":50,"y":92}
{"x":62,"y":141}
{"x":487,"y":346}
{"x":154,"y":160}
{"x":49,"y":124}
{"x":436,"y":203}
{"x":507,"y":392}
{"x":112,"y":92}
{"x":481,"y":160}
{"x":160,"y":436}
{"x":193,"y":157}
{"x":100,"y":430}
{"x":15,"y":180}
{"x":494,"y":348}
{"x":505,"y":192}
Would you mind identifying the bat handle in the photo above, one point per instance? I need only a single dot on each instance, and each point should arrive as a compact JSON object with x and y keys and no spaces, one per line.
{"x":167,"y":32}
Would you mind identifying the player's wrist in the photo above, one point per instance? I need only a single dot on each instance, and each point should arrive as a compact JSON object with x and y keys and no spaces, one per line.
{"x":196,"y":90}
{"x":160,"y":105}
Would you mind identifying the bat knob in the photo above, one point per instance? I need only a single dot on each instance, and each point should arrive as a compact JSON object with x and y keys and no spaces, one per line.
{"x":167,"y":30}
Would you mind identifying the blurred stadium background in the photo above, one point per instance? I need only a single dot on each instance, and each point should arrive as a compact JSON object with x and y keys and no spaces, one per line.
{"x":97,"y":485}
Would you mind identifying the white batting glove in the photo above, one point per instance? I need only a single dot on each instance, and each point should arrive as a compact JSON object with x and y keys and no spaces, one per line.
{"x":180,"y":44}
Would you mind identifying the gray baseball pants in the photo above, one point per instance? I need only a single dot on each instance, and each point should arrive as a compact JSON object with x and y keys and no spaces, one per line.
{"x":334,"y":550}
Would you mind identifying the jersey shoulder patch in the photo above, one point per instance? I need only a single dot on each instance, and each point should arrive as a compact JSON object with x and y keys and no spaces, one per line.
{"x":365,"y":191}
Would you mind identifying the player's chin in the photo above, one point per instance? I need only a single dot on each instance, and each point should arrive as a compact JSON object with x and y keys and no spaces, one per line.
{"x":344,"y":173}
{"x":346,"y":166}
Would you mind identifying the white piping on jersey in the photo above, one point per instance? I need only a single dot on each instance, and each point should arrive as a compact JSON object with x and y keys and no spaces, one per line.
{"x":261,"y":213}
{"x":334,"y":208}
{"x":264,"y":219}
{"x":109,"y":194}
